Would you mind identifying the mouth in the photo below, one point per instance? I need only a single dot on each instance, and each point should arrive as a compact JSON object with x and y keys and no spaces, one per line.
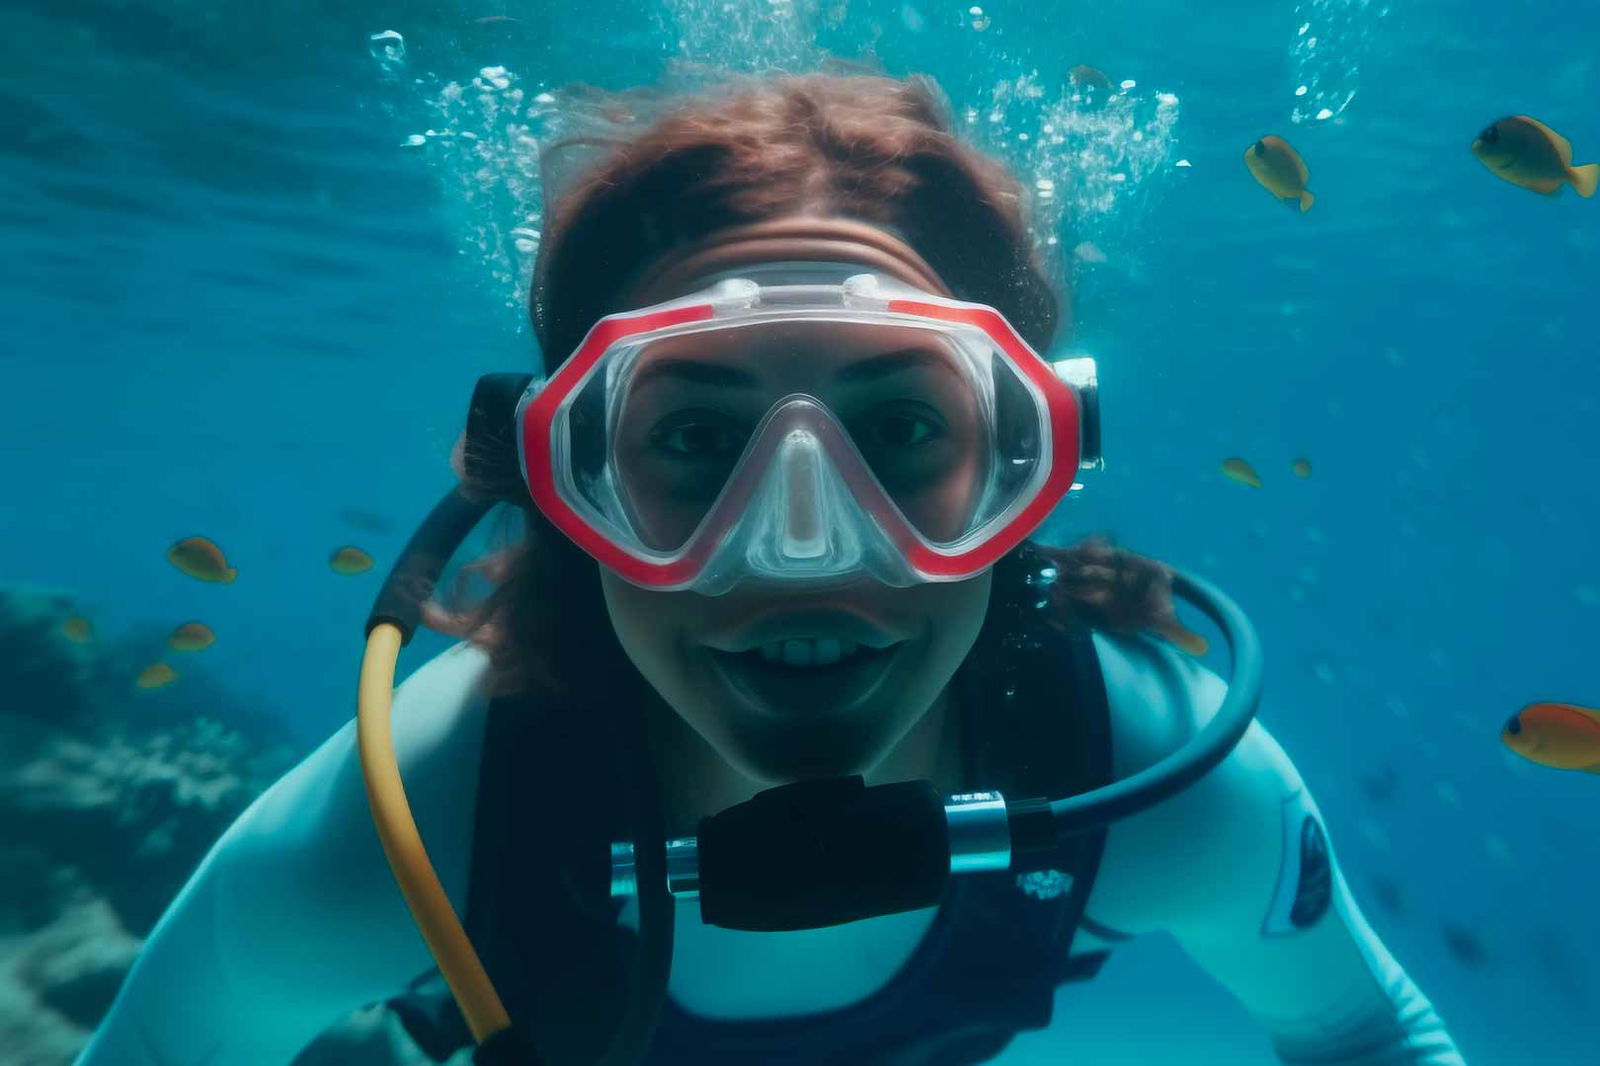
{"x":805,"y":677}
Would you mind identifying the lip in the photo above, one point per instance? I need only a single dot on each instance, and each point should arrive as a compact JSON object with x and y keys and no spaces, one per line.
{"x":804,"y":692}
{"x":786,"y":622}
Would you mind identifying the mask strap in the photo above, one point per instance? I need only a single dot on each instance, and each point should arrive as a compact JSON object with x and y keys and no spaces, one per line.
{"x":795,"y":239}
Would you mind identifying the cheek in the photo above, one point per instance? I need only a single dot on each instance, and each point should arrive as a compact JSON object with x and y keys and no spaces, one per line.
{"x":647,"y":625}
{"x":955,"y":611}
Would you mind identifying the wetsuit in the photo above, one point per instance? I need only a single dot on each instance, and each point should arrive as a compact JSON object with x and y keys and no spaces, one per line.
{"x":293,"y":918}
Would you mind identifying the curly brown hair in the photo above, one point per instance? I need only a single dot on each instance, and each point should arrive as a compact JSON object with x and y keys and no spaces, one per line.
{"x":866,"y":147}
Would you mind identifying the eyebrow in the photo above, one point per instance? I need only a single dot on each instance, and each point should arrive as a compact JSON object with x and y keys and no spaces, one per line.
{"x":879,"y":366}
{"x":701,"y":373}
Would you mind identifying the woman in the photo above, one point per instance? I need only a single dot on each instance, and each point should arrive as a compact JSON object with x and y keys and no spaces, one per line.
{"x":806,"y":639}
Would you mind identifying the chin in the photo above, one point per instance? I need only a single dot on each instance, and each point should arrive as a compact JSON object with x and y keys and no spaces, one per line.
{"x":782,"y":753}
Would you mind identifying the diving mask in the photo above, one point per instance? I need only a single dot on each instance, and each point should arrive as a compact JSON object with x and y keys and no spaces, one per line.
{"x":804,"y":428}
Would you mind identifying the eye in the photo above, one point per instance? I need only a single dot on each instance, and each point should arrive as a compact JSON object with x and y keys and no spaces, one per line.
{"x":1261,"y":147}
{"x":699,"y":435}
{"x":1490,"y":135}
{"x":1514,"y":726}
{"x":896,"y":427}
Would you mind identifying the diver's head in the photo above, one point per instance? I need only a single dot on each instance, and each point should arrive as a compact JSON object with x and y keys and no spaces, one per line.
{"x":829,"y":177}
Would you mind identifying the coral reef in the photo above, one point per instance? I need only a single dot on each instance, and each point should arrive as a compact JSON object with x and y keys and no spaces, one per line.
{"x":109,"y":803}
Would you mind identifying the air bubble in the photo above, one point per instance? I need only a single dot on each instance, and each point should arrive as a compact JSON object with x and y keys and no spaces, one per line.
{"x":497,"y":78}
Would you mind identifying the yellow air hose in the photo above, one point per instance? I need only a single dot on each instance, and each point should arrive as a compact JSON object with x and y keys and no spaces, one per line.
{"x":397,"y":829}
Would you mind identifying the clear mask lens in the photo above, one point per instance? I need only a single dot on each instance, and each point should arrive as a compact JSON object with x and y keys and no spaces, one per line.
{"x":946,"y":430}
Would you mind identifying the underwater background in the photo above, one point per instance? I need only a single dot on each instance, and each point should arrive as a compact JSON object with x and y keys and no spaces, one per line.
{"x":256,"y":254}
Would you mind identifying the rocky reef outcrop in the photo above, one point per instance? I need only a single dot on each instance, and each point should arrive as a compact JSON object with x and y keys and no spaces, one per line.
{"x":109,"y":798}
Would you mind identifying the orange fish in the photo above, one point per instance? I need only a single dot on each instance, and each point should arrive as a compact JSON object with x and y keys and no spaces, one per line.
{"x":1562,"y":736}
{"x":1301,"y":467}
{"x":200,"y":558}
{"x":77,"y":630}
{"x":1526,"y":152}
{"x":1241,"y":471}
{"x":348,"y":560}
{"x":156,"y":675}
{"x":191,"y":636}
{"x":1280,"y":170}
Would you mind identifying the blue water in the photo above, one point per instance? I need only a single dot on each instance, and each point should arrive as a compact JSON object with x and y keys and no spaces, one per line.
{"x":237,"y":305}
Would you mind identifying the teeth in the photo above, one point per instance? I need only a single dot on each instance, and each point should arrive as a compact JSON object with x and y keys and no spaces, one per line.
{"x":798,"y":652}
{"x":824,"y":651}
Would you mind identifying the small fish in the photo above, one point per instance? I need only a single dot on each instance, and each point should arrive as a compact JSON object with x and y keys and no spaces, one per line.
{"x":191,"y":636}
{"x":156,"y":675}
{"x":202,"y":559}
{"x":1240,"y":471}
{"x":1280,"y":170}
{"x":1465,"y":945}
{"x":348,"y":560}
{"x":1562,"y":736}
{"x":496,"y":20}
{"x":78,"y":630}
{"x":1526,"y":152}
{"x":1301,"y":467}
{"x":1084,"y":76}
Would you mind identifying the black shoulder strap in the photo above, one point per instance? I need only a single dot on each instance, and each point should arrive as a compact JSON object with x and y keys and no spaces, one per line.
{"x":1039,"y":719}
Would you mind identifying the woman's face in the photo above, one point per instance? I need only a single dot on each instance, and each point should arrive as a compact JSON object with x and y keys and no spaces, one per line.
{"x":786,"y":684}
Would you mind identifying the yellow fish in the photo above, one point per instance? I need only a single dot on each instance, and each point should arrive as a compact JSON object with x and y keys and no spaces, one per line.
{"x":1526,"y":152}
{"x":348,"y":560}
{"x":1280,"y":170}
{"x":191,"y":636}
{"x":1301,"y":467}
{"x":1084,"y":76}
{"x":78,"y":630}
{"x":201,"y":558}
{"x":1562,"y":736}
{"x":1240,"y":471}
{"x":156,"y":675}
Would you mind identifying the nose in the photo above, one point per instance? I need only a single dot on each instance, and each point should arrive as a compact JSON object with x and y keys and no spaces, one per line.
{"x":805,"y":525}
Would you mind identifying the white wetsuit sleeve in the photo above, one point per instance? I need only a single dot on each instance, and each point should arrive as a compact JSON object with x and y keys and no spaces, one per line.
{"x":1239,"y":869}
{"x":293,"y":919}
